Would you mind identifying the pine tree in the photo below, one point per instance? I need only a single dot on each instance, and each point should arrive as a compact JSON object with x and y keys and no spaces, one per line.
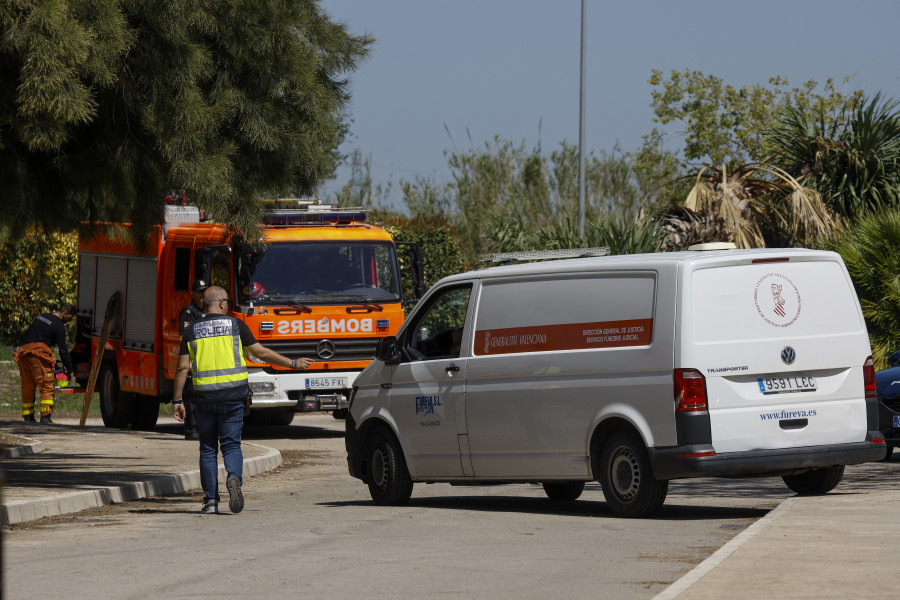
{"x":107,"y":104}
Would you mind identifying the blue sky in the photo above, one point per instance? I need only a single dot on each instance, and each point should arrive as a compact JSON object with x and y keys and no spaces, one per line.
{"x":479,"y":68}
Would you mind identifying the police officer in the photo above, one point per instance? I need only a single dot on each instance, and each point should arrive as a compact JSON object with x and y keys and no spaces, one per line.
{"x":36,"y":360}
{"x":213,"y":349}
{"x":188,"y":315}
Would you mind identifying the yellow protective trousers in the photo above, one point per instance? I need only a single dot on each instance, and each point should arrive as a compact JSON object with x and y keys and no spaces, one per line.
{"x":36,"y":362}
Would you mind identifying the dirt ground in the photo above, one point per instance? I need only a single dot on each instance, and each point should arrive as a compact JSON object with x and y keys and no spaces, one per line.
{"x":7,"y":440}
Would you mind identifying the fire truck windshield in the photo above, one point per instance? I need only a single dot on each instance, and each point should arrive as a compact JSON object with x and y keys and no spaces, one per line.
{"x":319,"y":273}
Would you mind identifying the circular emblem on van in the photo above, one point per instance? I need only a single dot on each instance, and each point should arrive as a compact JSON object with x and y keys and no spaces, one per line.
{"x":325,"y":349}
{"x":788,"y":356}
{"x":777,"y":300}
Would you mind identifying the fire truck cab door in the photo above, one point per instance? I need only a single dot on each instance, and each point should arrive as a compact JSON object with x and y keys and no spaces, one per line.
{"x":213,"y":264}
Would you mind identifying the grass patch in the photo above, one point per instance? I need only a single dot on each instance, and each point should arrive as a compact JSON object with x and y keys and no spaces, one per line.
{"x":64,"y":405}
{"x":6,"y":352}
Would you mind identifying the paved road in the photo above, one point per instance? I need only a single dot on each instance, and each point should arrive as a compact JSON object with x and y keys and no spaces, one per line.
{"x":310,"y":530}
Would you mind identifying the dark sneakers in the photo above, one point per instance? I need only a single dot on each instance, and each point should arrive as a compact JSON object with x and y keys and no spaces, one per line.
{"x":235,"y":497}
{"x":210,"y":506}
{"x":192,"y":435}
{"x":29,"y":418}
{"x":46,"y":420}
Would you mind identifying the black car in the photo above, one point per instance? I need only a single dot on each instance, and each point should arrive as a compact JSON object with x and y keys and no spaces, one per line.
{"x":887,"y":382}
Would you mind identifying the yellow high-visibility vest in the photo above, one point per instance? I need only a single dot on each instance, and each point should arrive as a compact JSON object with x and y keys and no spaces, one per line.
{"x":217,"y":357}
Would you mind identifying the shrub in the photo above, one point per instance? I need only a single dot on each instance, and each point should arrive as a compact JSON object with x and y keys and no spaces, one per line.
{"x":38,"y":272}
{"x":440,"y":248}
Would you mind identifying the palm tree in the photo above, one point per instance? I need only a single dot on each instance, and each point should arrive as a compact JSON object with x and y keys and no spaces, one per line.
{"x":756,"y":196}
{"x":871,"y":251}
{"x":853,"y":161}
{"x":687,"y":227}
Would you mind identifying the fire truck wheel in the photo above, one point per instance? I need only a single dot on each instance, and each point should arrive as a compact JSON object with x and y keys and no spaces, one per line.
{"x":283,"y":416}
{"x":146,"y":413}
{"x":116,"y":407}
{"x":258,"y":417}
{"x":388,"y":477}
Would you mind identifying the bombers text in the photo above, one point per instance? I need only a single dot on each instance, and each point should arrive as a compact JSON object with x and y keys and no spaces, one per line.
{"x":326,"y":325}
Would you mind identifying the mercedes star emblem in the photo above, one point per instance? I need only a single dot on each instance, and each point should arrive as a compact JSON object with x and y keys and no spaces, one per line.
{"x":325,"y":349}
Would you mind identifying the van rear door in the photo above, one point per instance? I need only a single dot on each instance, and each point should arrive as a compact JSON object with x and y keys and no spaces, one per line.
{"x":782,"y":343}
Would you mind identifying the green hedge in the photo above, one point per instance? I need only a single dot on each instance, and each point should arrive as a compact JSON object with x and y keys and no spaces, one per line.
{"x":441,"y":254}
{"x":38,"y":272}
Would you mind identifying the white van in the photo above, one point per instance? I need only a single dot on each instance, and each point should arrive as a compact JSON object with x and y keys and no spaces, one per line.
{"x":629,"y":370}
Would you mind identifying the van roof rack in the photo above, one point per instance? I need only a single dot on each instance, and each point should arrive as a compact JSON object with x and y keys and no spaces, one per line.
{"x":511,"y":257}
{"x":713,"y":246}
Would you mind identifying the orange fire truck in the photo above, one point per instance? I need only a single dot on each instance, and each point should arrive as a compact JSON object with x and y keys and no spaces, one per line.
{"x":326,"y":286}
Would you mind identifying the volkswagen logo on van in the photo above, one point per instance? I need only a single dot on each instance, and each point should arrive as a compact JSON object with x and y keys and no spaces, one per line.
{"x":325,"y":349}
{"x":788,"y":356}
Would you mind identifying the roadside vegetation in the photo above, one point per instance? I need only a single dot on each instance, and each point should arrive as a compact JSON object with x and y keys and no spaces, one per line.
{"x":212,"y":111}
{"x":64,"y":405}
{"x":772,"y":165}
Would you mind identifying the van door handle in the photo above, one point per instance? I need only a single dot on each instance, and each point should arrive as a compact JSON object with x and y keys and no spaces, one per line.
{"x":385,"y":386}
{"x":452,"y":368}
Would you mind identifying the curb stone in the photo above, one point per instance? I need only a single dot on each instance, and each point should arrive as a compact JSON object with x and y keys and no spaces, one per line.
{"x":161,"y":485}
{"x":32,"y":447}
{"x":685,"y":582}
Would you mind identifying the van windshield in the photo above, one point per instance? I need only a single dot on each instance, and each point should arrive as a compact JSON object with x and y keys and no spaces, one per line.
{"x":287,"y":273}
{"x":772,"y":301}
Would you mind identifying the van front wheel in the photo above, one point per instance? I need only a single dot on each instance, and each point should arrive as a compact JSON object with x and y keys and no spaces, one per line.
{"x":387,"y":475}
{"x":627,"y":477}
{"x":816,"y":481}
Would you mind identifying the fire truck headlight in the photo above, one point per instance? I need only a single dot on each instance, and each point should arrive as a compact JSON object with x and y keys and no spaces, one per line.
{"x":262,"y":387}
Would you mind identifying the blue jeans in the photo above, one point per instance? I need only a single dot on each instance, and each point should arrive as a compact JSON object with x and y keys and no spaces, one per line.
{"x":219,"y":424}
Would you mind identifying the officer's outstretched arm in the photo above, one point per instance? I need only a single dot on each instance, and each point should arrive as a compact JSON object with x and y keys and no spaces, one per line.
{"x":273,"y":358}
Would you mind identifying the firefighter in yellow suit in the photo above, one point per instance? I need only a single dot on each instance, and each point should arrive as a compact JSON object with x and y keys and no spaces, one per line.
{"x":36,"y":360}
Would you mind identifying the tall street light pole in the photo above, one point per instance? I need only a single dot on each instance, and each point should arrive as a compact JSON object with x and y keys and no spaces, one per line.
{"x":581,"y":184}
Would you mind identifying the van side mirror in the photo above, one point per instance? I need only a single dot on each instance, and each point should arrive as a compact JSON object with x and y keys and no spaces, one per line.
{"x":388,"y":350}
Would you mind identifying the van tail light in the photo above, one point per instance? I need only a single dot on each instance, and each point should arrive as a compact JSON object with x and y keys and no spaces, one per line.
{"x":869,"y":379}
{"x":690,"y":391}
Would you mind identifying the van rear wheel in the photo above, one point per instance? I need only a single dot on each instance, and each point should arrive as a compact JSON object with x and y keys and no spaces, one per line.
{"x":568,"y":491}
{"x":816,"y":481}
{"x":627,"y":478}
{"x":387,"y":475}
